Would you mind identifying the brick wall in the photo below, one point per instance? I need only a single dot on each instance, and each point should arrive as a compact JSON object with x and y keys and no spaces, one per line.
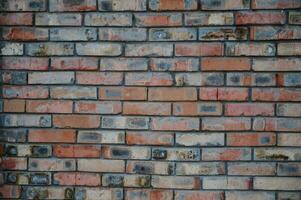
{"x":150,"y":99}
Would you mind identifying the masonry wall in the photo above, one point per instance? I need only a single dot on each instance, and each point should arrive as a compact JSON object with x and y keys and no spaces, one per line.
{"x":150,"y":99}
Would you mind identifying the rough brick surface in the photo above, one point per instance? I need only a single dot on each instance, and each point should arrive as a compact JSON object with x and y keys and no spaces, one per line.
{"x":150,"y":99}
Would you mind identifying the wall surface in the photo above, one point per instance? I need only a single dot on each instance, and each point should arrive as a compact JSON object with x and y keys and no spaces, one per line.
{"x":150,"y":99}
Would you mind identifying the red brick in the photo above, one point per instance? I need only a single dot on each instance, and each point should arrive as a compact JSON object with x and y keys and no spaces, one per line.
{"x":10,"y":191}
{"x":76,"y":151}
{"x":158,"y":19}
{"x":135,"y":108}
{"x":172,"y":94}
{"x":52,"y":135}
{"x":249,"y":109}
{"x":74,"y":63}
{"x":77,"y":178}
{"x":25,"y":33}
{"x":276,"y":94}
{"x":225,"y":64}
{"x":16,"y":19}
{"x":197,"y":109}
{"x":76,"y":121}
{"x":199,"y":195}
{"x":25,"y":92}
{"x":99,"y":78}
{"x":122,"y":93}
{"x":24,"y":63}
{"x":10,"y":163}
{"x":199,"y":49}
{"x":13,"y":105}
{"x":262,"y":17}
{"x":148,"y":194}
{"x":149,"y":138}
{"x":49,"y":106}
{"x":225,"y":94}
{"x":251,"y":139}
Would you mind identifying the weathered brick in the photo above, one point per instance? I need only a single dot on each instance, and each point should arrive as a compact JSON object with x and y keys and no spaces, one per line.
{"x":250,"y":49}
{"x":76,"y":151}
{"x":122,"y":34}
{"x":224,"y":5}
{"x":70,"y":5}
{"x":201,"y":195}
{"x":149,"y":49}
{"x":141,"y":108}
{"x":275,"y":33}
{"x":197,"y":139}
{"x":58,"y":19}
{"x":125,"y":122}
{"x":123,"y":64}
{"x":253,"y":168}
{"x":49,"y":49}
{"x":78,"y":34}
{"x":174,"y":64}
{"x":98,"y":49}
{"x":148,"y":194}
{"x":172,"y":34}
{"x":100,"y":165}
{"x":275,"y":4}
{"x":177,"y":182}
{"x":175,"y":123}
{"x":277,"y":183}
{"x":251,"y":79}
{"x":289,"y":169}
{"x":226,"y":154}
{"x":290,"y":195}
{"x":24,"y":33}
{"x":262,"y":17}
{"x":13,"y":135}
{"x":11,"y":49}
{"x":102,"y":137}
{"x":225,"y":64}
{"x":251,"y":139}
{"x":74,"y":63}
{"x":226,"y":183}
{"x":172,"y":94}
{"x":158,"y":19}
{"x":30,"y":5}
{"x":73,"y":92}
{"x":125,"y":180}
{"x":94,"y":107}
{"x":122,"y":152}
{"x":277,"y":124}
{"x":76,"y":178}
{"x":122,"y":93}
{"x":99,"y":78}
{"x":50,"y":192}
{"x":24,"y":63}
{"x":48,"y":106}
{"x":204,"y":168}
{"x":223,"y":33}
{"x":161,"y":5}
{"x":197,"y":109}
{"x":10,"y":191}
{"x":226,"y":123}
{"x":289,"y":49}
{"x":108,"y":19}
{"x":289,"y":139}
{"x":278,"y":154}
{"x":249,"y":195}
{"x":76,"y":121}
{"x":50,"y":78}
{"x":208,"y":18}
{"x":122,"y":5}
{"x":52,"y":135}
{"x":94,"y":193}
{"x":16,"y":19}
{"x":199,"y":79}
{"x":276,"y":94}
{"x":176,"y":154}
{"x":13,"y":77}
{"x":294,"y":17}
{"x":148,"y":79}
{"x":149,"y":138}
{"x":51,"y":164}
{"x":13,"y":105}
{"x":199,"y":49}
{"x":22,"y":120}
{"x":276,"y":64}
{"x":11,"y":163}
{"x":249,"y":109}
{"x":225,"y":94}
{"x":285,"y":109}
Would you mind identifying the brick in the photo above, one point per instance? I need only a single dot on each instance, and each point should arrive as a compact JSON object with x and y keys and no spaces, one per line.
{"x":225,"y":64}
{"x":225,"y":94}
{"x":175,"y":123}
{"x":224,"y":5}
{"x":122,"y":34}
{"x":24,"y":33}
{"x":172,"y":94}
{"x":277,"y":154}
{"x":226,"y":183}
{"x":122,"y":5}
{"x":76,"y":151}
{"x":22,"y":120}
{"x":276,"y":94}
{"x":250,"y":49}
{"x":16,"y":19}
{"x":108,"y":19}
{"x":285,"y":109}
{"x":200,"y":195}
{"x":289,"y":49}
{"x":148,"y":194}
{"x":125,"y":180}
{"x":161,"y":5}
{"x":176,"y":182}
{"x":70,"y":5}
{"x":199,"y":79}
{"x":176,"y":154}
{"x":197,"y":139}
{"x":24,"y":63}
{"x":10,"y":191}
{"x":275,"y":33}
{"x":149,"y":50}
{"x":261,"y":17}
{"x":150,"y":167}
{"x":11,"y":49}
{"x":100,"y":78}
{"x":250,"y":195}
{"x":58,"y":19}
{"x":158,"y":19}
{"x":125,"y":122}
{"x":294,"y":17}
{"x":277,"y":124}
{"x":249,"y":109}
{"x":30,"y":5}
{"x":172,"y":34}
{"x":13,"y":77}
{"x":174,"y":64}
{"x":50,"y":192}
{"x":50,"y":78}
{"x":94,"y":107}
{"x":148,"y":79}
{"x":149,"y":138}
{"x":13,"y":105}
{"x":199,"y":49}
{"x":226,"y":123}
{"x":141,"y":108}
{"x":251,"y":139}
{"x":276,"y":64}
{"x":253,"y":168}
{"x":51,"y":164}
{"x":277,"y":183}
{"x":94,"y":193}
{"x":101,"y":137}
{"x":78,"y":34}
{"x":48,"y":106}
{"x":251,"y":79}
{"x":197,"y":109}
{"x":99,"y":165}
{"x":98,"y":49}
{"x":73,"y":92}
{"x":204,"y":168}
{"x":49,"y":49}
{"x":10,"y":163}
{"x":13,"y":135}
{"x":291,"y":195}
{"x":76,"y":178}
{"x":208,"y":18}
{"x":123,"y":64}
{"x":289,"y":169}
{"x":122,"y":152}
{"x":76,"y":63}
{"x":223,"y":33}
{"x":226,"y":154}
{"x":289,"y":139}
{"x":52,"y":135}
{"x":275,"y":4}
{"x":76,"y":121}
{"x":122,"y":93}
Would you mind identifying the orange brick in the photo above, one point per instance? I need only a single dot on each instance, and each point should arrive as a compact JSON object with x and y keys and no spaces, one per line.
{"x":14,"y":105}
{"x":76,"y":151}
{"x":49,"y":106}
{"x":225,"y":64}
{"x":76,"y":121}
{"x":52,"y":135}
{"x":77,"y":178}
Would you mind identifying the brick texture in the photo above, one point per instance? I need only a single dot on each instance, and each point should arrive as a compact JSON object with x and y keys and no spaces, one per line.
{"x":150,"y":99}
